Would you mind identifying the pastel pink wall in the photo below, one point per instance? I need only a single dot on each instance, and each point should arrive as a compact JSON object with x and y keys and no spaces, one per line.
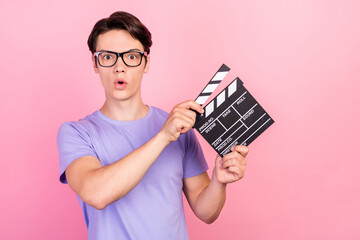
{"x":300,"y":59}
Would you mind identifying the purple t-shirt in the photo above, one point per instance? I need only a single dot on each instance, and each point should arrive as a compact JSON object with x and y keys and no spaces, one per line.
{"x":154,"y":208}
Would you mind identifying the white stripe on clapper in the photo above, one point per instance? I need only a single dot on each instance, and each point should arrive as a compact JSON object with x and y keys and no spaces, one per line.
{"x":232,"y":88}
{"x":210,"y":87}
{"x":209,"y":108}
{"x":219,"y":76}
{"x":221,"y":98}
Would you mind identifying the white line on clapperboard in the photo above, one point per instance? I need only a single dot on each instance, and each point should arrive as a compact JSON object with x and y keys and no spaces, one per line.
{"x":243,"y":124}
{"x":243,"y":132}
{"x":241,"y":116}
{"x":251,"y":134}
{"x":223,"y":112}
{"x":256,"y":130}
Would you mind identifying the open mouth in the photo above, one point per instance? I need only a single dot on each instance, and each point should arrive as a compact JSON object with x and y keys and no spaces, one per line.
{"x":121,"y":82}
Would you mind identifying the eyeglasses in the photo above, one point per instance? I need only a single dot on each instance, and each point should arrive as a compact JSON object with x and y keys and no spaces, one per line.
{"x":131,"y":58}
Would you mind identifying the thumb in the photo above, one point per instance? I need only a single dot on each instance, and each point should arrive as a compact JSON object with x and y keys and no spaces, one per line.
{"x":218,"y":161}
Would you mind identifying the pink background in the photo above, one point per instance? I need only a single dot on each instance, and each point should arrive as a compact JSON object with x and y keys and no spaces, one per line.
{"x":300,"y":59}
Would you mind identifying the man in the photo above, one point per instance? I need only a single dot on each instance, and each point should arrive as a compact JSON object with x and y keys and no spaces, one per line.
{"x":128,"y":162}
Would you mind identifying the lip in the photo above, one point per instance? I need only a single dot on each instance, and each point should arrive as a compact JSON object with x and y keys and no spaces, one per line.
{"x":120,"y":84}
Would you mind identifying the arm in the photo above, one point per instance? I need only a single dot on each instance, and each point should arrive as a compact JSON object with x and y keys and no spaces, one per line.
{"x":207,"y":197}
{"x":99,"y":185}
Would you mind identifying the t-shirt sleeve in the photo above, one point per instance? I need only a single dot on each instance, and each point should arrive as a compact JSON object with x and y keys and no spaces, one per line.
{"x":194,"y":160}
{"x":73,"y":143}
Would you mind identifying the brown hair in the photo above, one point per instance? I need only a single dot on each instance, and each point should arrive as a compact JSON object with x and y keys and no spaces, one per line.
{"x":121,"y":21}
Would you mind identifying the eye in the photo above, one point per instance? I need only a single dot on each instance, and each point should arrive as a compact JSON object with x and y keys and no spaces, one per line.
{"x":132,"y":56}
{"x":107,"y":57}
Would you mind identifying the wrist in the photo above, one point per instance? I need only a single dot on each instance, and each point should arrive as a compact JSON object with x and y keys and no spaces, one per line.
{"x":215,"y":181}
{"x":162,"y":138}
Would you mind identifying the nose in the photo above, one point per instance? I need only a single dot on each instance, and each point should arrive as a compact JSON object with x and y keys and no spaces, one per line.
{"x":119,"y":66}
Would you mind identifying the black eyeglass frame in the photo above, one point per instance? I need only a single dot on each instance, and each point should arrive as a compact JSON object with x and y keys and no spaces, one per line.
{"x":96,"y":54}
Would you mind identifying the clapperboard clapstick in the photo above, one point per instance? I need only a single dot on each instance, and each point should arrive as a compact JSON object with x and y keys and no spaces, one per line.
{"x":233,"y":117}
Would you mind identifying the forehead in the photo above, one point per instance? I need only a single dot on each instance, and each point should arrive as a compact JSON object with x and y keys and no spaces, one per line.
{"x":117,"y":41}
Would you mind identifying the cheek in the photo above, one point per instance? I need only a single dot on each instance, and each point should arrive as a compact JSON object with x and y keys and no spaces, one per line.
{"x":104,"y":77}
{"x":139,"y":77}
{"x":135,"y":75}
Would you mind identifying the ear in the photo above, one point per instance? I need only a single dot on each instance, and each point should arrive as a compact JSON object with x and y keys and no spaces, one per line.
{"x":96,"y":70}
{"x":147,"y":66}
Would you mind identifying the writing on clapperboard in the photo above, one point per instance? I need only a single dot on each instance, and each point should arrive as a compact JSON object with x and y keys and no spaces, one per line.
{"x":240,"y":100}
{"x":206,"y":124}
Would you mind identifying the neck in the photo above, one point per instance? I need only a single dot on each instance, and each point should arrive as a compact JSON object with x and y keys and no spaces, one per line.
{"x":124,"y":110}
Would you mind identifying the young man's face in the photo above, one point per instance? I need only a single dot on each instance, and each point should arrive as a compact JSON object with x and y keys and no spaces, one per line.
{"x":120,"y":82}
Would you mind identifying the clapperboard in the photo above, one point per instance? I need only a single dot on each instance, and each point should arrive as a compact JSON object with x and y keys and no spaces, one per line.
{"x":233,"y":117}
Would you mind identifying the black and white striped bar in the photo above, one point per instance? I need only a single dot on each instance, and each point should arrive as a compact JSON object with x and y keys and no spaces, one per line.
{"x":213,"y":84}
{"x":225,"y":94}
{"x":233,"y":117}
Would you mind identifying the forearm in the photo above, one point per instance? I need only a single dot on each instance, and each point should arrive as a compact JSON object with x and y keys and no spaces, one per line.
{"x":207,"y":197}
{"x":107,"y":184}
{"x":210,"y":201}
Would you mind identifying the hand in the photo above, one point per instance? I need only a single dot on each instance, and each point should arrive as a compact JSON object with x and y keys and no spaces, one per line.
{"x":232,"y":166}
{"x":181,"y":119}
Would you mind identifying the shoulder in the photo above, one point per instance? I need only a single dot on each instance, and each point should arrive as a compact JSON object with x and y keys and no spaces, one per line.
{"x":81,"y":127}
{"x":157,"y":112}
{"x":157,"y":115}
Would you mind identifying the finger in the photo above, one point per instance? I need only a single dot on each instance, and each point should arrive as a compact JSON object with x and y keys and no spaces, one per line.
{"x":218,"y":158}
{"x":237,"y":171}
{"x":182,"y":122}
{"x":183,"y":108}
{"x":233,"y":154}
{"x":218,"y":161}
{"x":234,"y":162}
{"x":229,"y":163}
{"x":243,"y":150}
{"x":182,"y":116}
{"x":190,"y":104}
{"x":190,"y":113}
{"x":234,"y":169}
{"x":182,"y":125}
